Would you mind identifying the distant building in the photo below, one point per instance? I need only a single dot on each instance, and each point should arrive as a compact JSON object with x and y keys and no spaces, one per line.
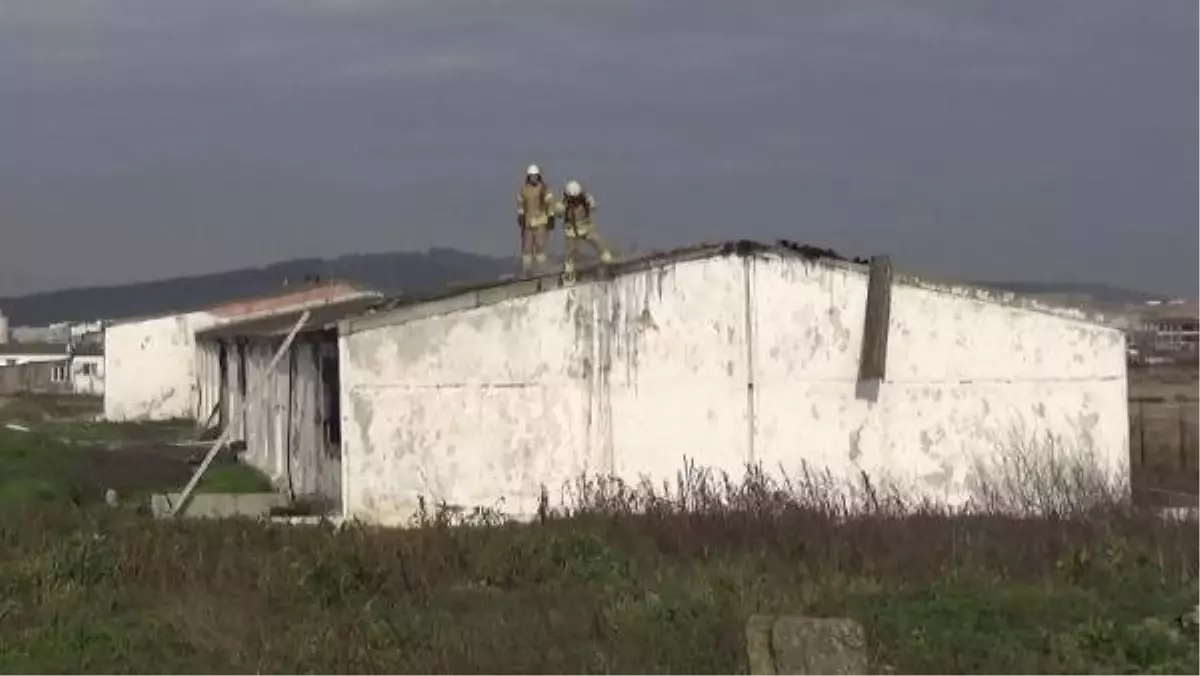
{"x":59,"y":332}
{"x":1167,"y":331}
{"x":52,"y":368}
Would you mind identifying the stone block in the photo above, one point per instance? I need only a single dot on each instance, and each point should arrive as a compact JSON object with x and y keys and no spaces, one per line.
{"x":219,"y":505}
{"x":792,"y":644}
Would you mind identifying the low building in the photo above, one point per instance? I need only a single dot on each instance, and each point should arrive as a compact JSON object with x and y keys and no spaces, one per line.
{"x":87,"y":368}
{"x":724,"y":355}
{"x":36,"y":377}
{"x":1172,"y":327}
{"x":153,"y":368}
{"x":52,"y":368}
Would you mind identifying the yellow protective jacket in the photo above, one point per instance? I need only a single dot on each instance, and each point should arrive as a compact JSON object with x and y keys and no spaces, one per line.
{"x":535,"y":204}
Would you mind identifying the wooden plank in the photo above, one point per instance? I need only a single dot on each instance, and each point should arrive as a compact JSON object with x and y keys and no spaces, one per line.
{"x":1137,"y":435}
{"x":1189,"y":432}
{"x":872,"y":364}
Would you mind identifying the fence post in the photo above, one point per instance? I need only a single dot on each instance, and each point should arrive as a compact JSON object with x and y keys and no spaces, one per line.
{"x":1141,"y":423}
{"x":1182,"y":437}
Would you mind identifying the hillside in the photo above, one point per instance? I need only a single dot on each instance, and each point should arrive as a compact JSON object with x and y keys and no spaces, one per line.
{"x":395,"y":272}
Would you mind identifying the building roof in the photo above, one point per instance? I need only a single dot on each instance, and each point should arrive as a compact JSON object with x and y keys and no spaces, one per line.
{"x":407,"y":308}
{"x":86,"y":348}
{"x":281,"y":323}
{"x":291,"y":297}
{"x":40,"y":349}
{"x":282,"y":299}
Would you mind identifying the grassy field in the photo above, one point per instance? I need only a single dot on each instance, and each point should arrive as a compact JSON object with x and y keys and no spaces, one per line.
{"x":54,"y":453}
{"x":635,"y":579}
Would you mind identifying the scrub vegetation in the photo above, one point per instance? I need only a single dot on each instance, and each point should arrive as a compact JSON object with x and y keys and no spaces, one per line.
{"x":641,"y":579}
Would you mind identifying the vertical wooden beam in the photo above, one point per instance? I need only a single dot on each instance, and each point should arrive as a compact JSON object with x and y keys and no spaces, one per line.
{"x":872,"y":363}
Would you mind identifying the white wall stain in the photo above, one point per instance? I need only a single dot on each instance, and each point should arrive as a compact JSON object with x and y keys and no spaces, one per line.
{"x":483,"y":406}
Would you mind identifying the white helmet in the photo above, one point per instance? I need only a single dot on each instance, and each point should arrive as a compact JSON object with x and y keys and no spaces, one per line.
{"x":533,"y":170}
{"x":574,"y":189}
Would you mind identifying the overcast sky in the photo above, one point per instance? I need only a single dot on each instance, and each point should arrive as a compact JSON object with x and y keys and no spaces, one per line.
{"x":1014,"y":139}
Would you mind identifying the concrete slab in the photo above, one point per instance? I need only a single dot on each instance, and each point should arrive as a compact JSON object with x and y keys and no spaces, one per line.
{"x":218,"y":505}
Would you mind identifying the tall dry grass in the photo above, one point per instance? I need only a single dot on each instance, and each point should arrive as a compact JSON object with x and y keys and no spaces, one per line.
{"x":1053,"y":572}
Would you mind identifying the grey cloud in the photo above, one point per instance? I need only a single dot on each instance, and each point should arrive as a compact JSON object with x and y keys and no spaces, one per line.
{"x":1015,"y":138}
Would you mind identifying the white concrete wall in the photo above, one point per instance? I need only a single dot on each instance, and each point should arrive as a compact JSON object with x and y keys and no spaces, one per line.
{"x":150,"y":368}
{"x":483,"y":406}
{"x":966,"y":378}
{"x":83,"y":382}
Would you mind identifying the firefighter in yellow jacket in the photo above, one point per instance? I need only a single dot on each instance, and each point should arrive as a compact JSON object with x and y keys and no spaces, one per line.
{"x":578,"y":208}
{"x":535,"y":216}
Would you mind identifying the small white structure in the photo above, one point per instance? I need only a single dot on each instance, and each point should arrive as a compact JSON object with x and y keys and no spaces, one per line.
{"x":726,"y":354}
{"x":87,"y":369}
{"x":150,"y":367}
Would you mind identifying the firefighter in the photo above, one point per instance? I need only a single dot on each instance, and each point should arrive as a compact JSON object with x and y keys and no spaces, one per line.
{"x":535,"y":217}
{"x":578,"y":208}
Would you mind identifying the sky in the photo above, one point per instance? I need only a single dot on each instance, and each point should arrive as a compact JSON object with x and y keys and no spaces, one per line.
{"x":1037,"y":140}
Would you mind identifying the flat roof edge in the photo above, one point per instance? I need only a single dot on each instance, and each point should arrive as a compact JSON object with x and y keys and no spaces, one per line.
{"x":493,"y":292}
{"x":1007,"y":299}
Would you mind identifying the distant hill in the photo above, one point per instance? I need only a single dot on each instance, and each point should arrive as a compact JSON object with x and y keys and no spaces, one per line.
{"x":407,"y":272}
{"x":1103,"y":293}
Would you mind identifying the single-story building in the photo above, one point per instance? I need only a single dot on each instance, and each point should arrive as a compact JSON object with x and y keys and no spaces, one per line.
{"x":36,"y":377}
{"x":52,"y":368}
{"x":291,"y":425}
{"x":727,"y":354}
{"x":153,"y":367}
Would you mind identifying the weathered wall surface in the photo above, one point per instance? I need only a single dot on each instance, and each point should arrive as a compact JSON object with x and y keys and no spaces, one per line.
{"x":150,"y":368}
{"x":475,"y":406}
{"x":725,"y":361}
{"x":965,"y":378}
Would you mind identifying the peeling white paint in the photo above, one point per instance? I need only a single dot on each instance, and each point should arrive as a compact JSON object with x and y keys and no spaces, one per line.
{"x":151,"y":368}
{"x":482,"y":406}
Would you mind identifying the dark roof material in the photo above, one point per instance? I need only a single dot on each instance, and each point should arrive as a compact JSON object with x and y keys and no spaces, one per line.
{"x":320,"y":318}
